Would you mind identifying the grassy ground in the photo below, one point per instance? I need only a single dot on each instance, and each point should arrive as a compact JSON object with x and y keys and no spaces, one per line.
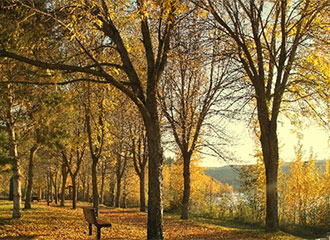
{"x":52,"y":222}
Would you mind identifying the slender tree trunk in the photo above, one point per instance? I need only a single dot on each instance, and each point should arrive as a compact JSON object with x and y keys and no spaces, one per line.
{"x":24,"y":188}
{"x":88,"y":189}
{"x":78,"y":190}
{"x":102,"y":184}
{"x":33,"y":151}
{"x":95,"y":187}
{"x":51,"y":186}
{"x":83,"y":197}
{"x":39,"y":193}
{"x":186,"y":186}
{"x":48,"y":188}
{"x":155,"y":167}
{"x":118,"y":191}
{"x":64,"y":177}
{"x":74,"y":192}
{"x":124,"y":201}
{"x":55,"y":189}
{"x":17,"y":200}
{"x":142,"y":192}
{"x":112,"y":190}
{"x":11,"y":189}
{"x":16,"y":178}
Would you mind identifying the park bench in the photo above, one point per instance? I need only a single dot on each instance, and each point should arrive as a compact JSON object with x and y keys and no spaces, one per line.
{"x":91,"y":218}
{"x":35,"y":198}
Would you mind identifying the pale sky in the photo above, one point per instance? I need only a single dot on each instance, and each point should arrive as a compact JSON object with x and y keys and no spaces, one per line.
{"x":313,"y":137}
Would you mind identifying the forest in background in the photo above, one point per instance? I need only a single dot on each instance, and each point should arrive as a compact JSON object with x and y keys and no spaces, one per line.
{"x":93,"y":91}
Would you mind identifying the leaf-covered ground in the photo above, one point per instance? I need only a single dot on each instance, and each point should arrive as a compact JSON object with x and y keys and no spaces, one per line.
{"x":52,"y":222}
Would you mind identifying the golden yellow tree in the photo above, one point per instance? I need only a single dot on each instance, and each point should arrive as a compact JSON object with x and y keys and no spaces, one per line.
{"x":98,"y":40}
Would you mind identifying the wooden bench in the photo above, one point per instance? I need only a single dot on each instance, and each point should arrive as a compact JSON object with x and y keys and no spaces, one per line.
{"x":91,"y":218}
{"x":35,"y":198}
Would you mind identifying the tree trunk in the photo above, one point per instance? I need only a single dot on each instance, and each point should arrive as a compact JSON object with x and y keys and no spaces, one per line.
{"x":16,"y":178}
{"x":124,"y":201}
{"x":64,"y":177}
{"x":155,"y":167}
{"x":269,"y":143}
{"x":74,"y":192}
{"x":112,"y":190}
{"x":118,"y":191}
{"x":78,"y":190}
{"x":88,"y":189}
{"x":55,"y":189}
{"x":272,"y":222}
{"x":83,"y":197}
{"x":142,"y":192}
{"x":33,"y":151}
{"x":95,"y":188}
{"x":102,"y":184}
{"x":48,"y":189}
{"x":186,"y":186}
{"x":51,"y":186}
{"x":11,"y":189}
{"x":17,"y":200}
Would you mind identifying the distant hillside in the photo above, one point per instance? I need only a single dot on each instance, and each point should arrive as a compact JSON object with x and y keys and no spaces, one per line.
{"x":230,"y":174}
{"x":227,"y":174}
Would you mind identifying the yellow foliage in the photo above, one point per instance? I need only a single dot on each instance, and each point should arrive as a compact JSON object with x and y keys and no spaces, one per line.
{"x":204,"y":189}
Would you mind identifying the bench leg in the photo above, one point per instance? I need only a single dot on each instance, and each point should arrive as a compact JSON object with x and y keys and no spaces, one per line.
{"x":98,"y":233}
{"x":90,"y":229}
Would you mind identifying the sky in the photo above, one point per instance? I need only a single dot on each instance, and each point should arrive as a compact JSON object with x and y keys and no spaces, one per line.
{"x":313,"y":137}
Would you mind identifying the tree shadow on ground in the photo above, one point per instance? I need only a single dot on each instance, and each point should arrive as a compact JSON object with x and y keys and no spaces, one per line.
{"x":4,"y":221}
{"x":231,"y":223}
{"x":22,"y":237}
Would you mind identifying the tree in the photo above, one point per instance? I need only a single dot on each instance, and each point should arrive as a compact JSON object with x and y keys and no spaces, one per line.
{"x":104,"y":34}
{"x":139,"y":154}
{"x":94,"y":118}
{"x":267,"y":38}
{"x":197,"y":78}
{"x":41,"y":106}
{"x":15,"y":160}
{"x":119,"y":120}
{"x":73,"y":161}
{"x":303,"y":187}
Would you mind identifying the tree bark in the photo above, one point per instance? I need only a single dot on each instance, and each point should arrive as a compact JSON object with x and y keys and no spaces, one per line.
{"x":55,"y":189}
{"x":139,"y":160}
{"x":33,"y":151}
{"x":64,"y":178}
{"x":102,"y":183}
{"x":51,"y":185}
{"x":87,"y":198}
{"x":74,"y":192}
{"x":142,"y":192}
{"x":16,"y":178}
{"x":94,"y":185}
{"x":186,"y":186}
{"x":269,"y":144}
{"x":118,"y":191}
{"x":11,"y":189}
{"x":155,"y":167}
{"x":112,"y":190}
